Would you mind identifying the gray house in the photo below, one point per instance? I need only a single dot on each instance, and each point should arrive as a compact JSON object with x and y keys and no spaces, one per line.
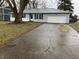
{"x":5,"y":13}
{"x":49,"y":15}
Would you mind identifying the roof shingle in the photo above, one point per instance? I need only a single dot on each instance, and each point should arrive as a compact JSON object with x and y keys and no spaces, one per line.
{"x":48,"y":10}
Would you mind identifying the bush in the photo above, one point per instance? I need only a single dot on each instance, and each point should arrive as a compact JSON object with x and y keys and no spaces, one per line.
{"x":74,"y":19}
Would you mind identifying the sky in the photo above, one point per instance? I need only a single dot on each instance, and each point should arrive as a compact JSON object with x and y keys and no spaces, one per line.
{"x":53,"y":4}
{"x":76,"y":6}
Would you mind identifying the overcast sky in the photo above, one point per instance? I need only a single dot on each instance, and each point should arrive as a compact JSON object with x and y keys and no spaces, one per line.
{"x":76,"y":6}
{"x":52,"y":3}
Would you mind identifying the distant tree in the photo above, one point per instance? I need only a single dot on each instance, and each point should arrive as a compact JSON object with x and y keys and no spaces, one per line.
{"x":65,"y":5}
{"x":33,"y":4}
{"x":74,"y":19}
{"x":43,"y":4}
{"x":17,"y":11}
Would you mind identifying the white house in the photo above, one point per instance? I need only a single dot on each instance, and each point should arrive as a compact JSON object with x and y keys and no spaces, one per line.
{"x":49,"y":15}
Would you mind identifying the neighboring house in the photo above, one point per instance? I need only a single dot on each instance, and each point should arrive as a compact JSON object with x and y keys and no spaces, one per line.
{"x":4,"y":13}
{"x":49,"y":15}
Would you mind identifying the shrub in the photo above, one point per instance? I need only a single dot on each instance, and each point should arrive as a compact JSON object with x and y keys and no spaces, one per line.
{"x":73,"y":19}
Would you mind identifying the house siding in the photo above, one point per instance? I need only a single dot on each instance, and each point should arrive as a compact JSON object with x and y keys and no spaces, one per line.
{"x":25,"y":18}
{"x":45,"y":17}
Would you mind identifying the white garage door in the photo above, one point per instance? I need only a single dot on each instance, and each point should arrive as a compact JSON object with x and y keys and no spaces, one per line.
{"x":56,"y":19}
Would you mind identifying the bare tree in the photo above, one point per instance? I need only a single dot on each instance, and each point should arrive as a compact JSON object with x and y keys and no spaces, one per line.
{"x":43,"y":4}
{"x":17,"y":12}
{"x":33,"y":4}
{"x":1,"y":2}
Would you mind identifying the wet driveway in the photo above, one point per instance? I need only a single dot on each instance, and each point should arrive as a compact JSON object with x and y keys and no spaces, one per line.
{"x":49,"y":41}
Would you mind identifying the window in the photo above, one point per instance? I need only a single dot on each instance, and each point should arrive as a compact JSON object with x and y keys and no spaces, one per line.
{"x":38,"y":16}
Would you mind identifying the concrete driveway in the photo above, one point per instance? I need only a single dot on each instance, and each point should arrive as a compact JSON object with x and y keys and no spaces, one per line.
{"x":49,"y":41}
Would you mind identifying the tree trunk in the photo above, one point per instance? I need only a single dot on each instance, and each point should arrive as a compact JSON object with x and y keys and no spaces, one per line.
{"x":18,"y":18}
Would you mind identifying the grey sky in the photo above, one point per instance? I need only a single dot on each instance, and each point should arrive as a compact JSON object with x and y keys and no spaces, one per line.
{"x":53,"y":3}
{"x":76,"y":6}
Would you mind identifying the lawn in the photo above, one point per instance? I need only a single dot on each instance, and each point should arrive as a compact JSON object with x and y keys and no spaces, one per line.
{"x":9,"y":32}
{"x":75,"y":26}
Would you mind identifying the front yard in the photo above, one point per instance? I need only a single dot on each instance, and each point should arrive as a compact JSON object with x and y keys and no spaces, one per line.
{"x":9,"y":32}
{"x":75,"y":26}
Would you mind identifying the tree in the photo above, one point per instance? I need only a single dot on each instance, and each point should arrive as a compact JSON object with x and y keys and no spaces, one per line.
{"x":1,"y":2}
{"x":33,"y":4}
{"x":43,"y":4}
{"x":74,"y":19}
{"x":17,"y":11}
{"x":65,"y":5}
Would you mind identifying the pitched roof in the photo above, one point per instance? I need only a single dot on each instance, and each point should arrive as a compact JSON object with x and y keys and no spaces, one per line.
{"x":48,"y":10}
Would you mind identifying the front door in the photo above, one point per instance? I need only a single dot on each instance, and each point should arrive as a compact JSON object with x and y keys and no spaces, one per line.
{"x":30,"y":16}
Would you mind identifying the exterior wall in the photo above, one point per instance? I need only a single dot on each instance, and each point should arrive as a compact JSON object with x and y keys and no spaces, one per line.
{"x":55,"y":18}
{"x":68,"y":18}
{"x":61,"y":18}
{"x":12,"y":18}
{"x":23,"y":19}
{"x":38,"y":20}
{"x":45,"y":17}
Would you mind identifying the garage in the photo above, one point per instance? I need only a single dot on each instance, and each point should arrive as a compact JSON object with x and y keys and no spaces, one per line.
{"x":57,"y":19}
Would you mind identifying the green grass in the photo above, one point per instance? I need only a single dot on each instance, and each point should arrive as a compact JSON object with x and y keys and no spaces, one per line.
{"x":9,"y":32}
{"x":75,"y":26}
